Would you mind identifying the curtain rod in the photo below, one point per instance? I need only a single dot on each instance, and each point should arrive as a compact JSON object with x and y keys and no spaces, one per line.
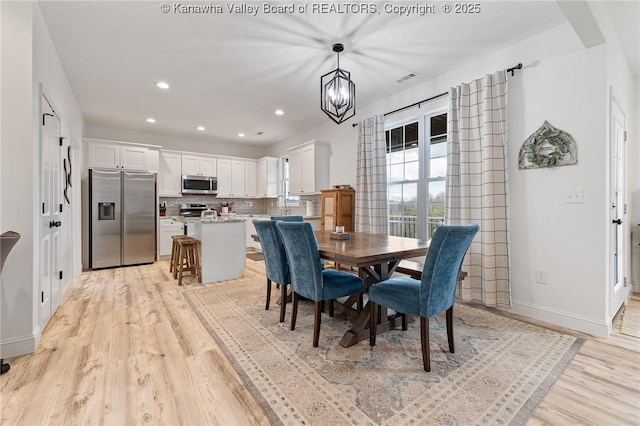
{"x":512,"y":70}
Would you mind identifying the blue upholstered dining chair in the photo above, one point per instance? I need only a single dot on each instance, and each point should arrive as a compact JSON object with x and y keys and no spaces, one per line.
{"x":433,"y":294}
{"x":288,"y":218}
{"x":308,"y":279}
{"x":275,"y":259}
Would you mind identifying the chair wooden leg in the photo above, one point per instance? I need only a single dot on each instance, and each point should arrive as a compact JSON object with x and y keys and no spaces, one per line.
{"x":283,"y":301}
{"x":373,"y":321}
{"x":173,"y":256}
{"x":177,"y":261}
{"x":404,"y":322}
{"x":266,"y":308}
{"x":360,"y":303}
{"x":331,"y":308}
{"x":294,"y":311}
{"x":424,"y":341}
{"x":450,"y":329}
{"x":316,"y":323}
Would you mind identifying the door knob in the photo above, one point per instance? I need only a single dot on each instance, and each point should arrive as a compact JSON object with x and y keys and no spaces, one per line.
{"x":54,"y":224}
{"x":617,"y":221}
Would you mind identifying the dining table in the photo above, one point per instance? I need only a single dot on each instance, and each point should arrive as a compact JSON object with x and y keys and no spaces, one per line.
{"x":375,"y":257}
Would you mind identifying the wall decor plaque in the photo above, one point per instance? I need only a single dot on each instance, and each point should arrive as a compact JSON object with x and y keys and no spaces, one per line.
{"x":547,"y":147}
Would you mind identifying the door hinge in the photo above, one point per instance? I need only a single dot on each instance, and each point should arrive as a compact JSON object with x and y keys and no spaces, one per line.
{"x":625,"y":281}
{"x":625,"y":135}
{"x":43,"y":209}
{"x":44,"y":116}
{"x":42,"y":297}
{"x":60,"y":275}
{"x":60,"y":208}
{"x":625,"y":209}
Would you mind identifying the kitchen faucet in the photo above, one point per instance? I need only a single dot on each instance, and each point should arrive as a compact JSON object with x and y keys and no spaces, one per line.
{"x":286,"y":209}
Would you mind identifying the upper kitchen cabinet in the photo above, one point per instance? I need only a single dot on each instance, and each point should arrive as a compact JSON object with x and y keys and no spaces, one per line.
{"x":196,"y":165}
{"x":309,"y":168}
{"x":267,"y":178}
{"x":105,"y":155}
{"x":236,"y":178}
{"x":250,"y":177}
{"x":170,"y":175}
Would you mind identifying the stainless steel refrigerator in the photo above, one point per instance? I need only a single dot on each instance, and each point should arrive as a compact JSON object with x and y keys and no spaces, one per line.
{"x":122,"y":224}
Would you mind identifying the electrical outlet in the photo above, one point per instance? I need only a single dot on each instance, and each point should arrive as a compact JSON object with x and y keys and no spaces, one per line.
{"x":541,"y":276}
{"x":574,"y":197}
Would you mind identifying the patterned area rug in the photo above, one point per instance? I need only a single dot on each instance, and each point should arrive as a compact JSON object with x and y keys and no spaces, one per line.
{"x":501,"y":370}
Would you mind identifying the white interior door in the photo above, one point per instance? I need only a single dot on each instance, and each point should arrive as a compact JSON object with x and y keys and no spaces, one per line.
{"x":51,"y":202}
{"x":618,"y":279}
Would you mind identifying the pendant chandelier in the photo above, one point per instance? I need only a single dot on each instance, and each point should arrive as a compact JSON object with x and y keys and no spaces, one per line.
{"x":338,"y":92}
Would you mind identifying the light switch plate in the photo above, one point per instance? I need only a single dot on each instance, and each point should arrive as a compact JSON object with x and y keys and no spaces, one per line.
{"x":574,"y":197}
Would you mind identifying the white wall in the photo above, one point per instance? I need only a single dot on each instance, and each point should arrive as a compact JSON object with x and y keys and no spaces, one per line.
{"x":28,"y":60}
{"x":197,"y":143}
{"x":621,"y":84}
{"x":565,"y":84}
{"x":49,"y":74}
{"x":19,"y":160}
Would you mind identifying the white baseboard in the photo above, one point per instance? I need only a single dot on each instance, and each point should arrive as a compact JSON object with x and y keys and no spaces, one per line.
{"x":22,"y":345}
{"x":563,"y":319}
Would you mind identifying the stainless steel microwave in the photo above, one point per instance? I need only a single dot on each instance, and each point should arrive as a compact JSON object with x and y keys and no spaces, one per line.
{"x":192,"y":184}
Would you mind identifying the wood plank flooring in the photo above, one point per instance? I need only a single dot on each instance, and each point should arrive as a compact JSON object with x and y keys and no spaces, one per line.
{"x":124,"y":348}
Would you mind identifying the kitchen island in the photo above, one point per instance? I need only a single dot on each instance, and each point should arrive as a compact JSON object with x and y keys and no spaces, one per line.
{"x":222,"y":251}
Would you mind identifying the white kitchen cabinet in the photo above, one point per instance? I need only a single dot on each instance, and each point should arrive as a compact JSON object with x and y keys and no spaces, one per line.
{"x":196,"y":165}
{"x":234,"y":180}
{"x":169,"y":175}
{"x":224,"y":177}
{"x":250,"y":178}
{"x":114,"y":156}
{"x":237,"y":178}
{"x":168,"y":228}
{"x":267,"y":178}
{"x":309,"y":168}
{"x":152,"y":160}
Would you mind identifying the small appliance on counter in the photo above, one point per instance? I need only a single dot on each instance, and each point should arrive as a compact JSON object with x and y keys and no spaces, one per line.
{"x":192,"y":210}
{"x":163,"y":208}
{"x":208,"y":215}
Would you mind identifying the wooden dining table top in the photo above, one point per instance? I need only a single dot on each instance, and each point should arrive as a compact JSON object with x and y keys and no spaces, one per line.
{"x":363,"y":249}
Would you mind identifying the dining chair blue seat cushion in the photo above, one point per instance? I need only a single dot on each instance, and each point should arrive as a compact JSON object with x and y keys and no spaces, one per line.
{"x":288,"y":218}
{"x":402,"y":294}
{"x":435,"y":292}
{"x":275,"y":258}
{"x":307,"y":277}
{"x":339,"y":284}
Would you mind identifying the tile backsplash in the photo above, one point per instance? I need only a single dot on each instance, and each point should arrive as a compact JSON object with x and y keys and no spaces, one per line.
{"x":255,"y":206}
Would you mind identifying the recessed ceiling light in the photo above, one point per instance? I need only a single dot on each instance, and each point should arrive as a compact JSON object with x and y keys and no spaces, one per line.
{"x":162,"y":84}
{"x":241,"y":135}
{"x":279,"y":112}
{"x":151,"y":120}
{"x":201,"y":128}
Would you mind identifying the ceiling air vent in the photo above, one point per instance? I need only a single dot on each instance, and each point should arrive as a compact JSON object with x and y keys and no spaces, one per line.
{"x":406,"y":77}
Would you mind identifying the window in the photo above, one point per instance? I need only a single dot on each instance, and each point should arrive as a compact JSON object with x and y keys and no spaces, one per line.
{"x":416,"y":171}
{"x":287,"y":199}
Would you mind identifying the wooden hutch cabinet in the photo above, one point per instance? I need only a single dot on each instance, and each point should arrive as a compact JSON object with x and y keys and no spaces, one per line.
{"x":338,"y":209}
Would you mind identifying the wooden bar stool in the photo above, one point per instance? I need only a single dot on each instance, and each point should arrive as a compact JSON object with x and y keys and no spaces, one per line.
{"x":174,"y":254}
{"x":189,"y":258}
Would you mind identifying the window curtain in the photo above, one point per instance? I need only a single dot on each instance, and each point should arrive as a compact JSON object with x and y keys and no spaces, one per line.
{"x":371,"y":193}
{"x":477,"y":185}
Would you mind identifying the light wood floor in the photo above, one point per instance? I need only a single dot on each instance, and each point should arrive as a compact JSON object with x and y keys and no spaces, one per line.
{"x":125,"y":349}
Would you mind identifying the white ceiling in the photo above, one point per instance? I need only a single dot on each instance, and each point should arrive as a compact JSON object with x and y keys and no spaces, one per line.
{"x":230,"y":72}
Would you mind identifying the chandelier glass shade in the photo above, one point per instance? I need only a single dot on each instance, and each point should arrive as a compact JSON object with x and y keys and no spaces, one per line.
{"x":338,"y":92}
